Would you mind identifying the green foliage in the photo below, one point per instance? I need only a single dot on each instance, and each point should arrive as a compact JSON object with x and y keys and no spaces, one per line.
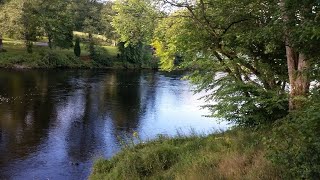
{"x":295,"y":143}
{"x":135,"y":20}
{"x":77,"y":49}
{"x":230,"y":155}
{"x":236,"y":55}
{"x":56,"y":20}
{"x":304,"y":24}
{"x":10,"y":16}
{"x":91,"y":47}
{"x":102,"y":58}
{"x":137,"y":55}
{"x":131,"y":53}
{"x":40,"y":59}
{"x":107,"y":13}
{"x":30,"y":23}
{"x":43,"y":57}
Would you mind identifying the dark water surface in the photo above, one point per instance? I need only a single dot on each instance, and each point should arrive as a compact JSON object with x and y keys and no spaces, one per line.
{"x":54,"y":124}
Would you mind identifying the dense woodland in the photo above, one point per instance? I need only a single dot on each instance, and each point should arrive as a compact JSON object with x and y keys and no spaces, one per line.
{"x":258,"y":60}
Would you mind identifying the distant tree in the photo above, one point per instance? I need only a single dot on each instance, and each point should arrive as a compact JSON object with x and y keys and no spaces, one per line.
{"x":30,"y":23}
{"x":107,"y":13}
{"x":89,"y":20}
{"x":77,"y":49}
{"x":19,"y":19}
{"x":135,"y":21}
{"x":10,"y":24}
{"x":56,"y":21}
{"x":1,"y":43}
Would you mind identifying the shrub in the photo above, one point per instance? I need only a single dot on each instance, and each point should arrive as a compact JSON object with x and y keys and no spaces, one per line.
{"x":52,"y":59}
{"x":77,"y":49}
{"x":101,"y":57}
{"x":295,"y":143}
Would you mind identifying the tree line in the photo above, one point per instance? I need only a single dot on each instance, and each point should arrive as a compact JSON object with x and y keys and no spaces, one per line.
{"x":56,"y":20}
{"x":256,"y":58}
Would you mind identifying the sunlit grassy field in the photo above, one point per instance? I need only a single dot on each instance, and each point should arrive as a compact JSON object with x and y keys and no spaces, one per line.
{"x":16,"y":55}
{"x":17,"y":46}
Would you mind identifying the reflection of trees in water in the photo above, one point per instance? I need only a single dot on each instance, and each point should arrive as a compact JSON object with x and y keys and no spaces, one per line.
{"x":128,"y":96}
{"x":30,"y":110}
{"x":125,"y":110}
{"x":36,"y":98}
{"x":148,"y":91}
{"x":86,"y":133}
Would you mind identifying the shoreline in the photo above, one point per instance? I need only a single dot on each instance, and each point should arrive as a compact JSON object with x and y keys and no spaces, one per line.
{"x":224,"y":155}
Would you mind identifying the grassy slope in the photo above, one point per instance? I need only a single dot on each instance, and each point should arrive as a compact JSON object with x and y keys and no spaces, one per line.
{"x":17,"y":55}
{"x":235,"y":154}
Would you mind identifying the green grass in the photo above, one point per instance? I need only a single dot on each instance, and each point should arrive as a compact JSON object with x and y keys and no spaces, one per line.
{"x":106,"y":56}
{"x":235,"y":154}
{"x":85,"y":35}
{"x":43,"y":57}
{"x":112,"y":51}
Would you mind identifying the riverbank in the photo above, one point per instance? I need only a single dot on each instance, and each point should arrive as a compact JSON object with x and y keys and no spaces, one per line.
{"x":16,"y":57}
{"x":233,"y":154}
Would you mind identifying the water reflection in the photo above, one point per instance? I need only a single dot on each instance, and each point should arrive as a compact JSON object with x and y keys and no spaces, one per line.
{"x":54,"y":123}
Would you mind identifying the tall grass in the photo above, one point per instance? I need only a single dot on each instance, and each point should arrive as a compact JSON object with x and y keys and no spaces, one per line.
{"x":235,"y":154}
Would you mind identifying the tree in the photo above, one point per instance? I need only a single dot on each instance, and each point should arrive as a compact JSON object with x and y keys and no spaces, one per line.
{"x":301,"y":38}
{"x":90,"y":21}
{"x":108,"y":30}
{"x":30,"y":19}
{"x":18,"y":19}
{"x":1,"y":44}
{"x":10,"y":18}
{"x":56,"y":21}
{"x":30,"y":23}
{"x":237,"y":54}
{"x":77,"y":49}
{"x":135,"y":20}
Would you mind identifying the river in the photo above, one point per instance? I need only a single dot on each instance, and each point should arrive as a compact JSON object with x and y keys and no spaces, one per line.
{"x":55,"y":123}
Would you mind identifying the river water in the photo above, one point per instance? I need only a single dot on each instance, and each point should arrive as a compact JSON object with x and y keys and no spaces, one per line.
{"x":55,"y":123}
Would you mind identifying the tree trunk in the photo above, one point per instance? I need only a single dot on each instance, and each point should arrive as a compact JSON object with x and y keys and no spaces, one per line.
{"x":298,"y":77}
{"x":297,"y":67}
{"x":91,"y":46}
{"x":50,"y":41}
{"x":1,"y":43}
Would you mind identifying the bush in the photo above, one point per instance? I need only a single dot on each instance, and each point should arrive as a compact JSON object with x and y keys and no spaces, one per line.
{"x":77,"y":49}
{"x":137,"y":55}
{"x":295,"y":143}
{"x":101,"y":57}
{"x":53,"y":59}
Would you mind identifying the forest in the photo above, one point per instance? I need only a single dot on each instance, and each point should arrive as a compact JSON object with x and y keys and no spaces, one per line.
{"x":258,"y":62}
